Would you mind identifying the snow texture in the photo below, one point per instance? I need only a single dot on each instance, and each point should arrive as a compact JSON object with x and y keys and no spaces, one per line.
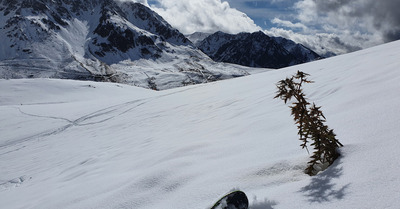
{"x":75,"y":144}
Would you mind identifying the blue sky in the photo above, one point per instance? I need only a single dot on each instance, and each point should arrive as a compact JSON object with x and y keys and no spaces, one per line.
{"x":263,"y":12}
{"x":326,"y":26}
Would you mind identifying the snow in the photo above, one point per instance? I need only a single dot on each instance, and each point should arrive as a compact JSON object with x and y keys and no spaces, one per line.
{"x":197,"y":37}
{"x":75,"y":144}
{"x":36,"y":50}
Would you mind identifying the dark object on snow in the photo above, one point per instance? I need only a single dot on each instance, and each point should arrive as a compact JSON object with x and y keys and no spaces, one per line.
{"x":233,"y":200}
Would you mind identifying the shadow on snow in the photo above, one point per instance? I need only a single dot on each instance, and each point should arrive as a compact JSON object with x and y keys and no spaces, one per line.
{"x":322,"y":187}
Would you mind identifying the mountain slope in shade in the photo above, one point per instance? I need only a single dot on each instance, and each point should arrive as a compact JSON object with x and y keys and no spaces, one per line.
{"x":100,"y":40}
{"x":255,"y":50}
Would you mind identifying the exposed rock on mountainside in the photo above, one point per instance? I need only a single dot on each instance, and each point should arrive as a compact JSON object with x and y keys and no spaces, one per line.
{"x":100,"y":40}
{"x":255,"y":50}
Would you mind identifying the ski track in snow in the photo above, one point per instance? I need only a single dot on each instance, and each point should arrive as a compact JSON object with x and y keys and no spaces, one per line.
{"x":127,"y":148}
{"x":97,"y":117}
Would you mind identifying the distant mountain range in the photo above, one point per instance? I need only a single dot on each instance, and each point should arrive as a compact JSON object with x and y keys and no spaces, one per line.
{"x":126,"y":42}
{"x":100,"y":40}
{"x":253,"y":49}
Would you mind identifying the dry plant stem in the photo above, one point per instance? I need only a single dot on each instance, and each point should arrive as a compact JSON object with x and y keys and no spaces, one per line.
{"x":310,"y":122}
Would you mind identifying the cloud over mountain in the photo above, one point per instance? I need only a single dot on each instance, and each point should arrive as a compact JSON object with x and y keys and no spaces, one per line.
{"x":340,"y":26}
{"x":204,"y":16}
{"x":326,"y":26}
{"x":374,"y":16}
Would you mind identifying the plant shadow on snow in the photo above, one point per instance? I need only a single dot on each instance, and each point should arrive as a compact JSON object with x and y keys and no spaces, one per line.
{"x":322,"y":188}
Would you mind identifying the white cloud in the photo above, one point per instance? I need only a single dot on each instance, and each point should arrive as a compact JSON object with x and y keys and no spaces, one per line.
{"x":204,"y":16}
{"x":341,"y":26}
{"x":338,"y":26}
{"x":377,"y":20}
{"x":322,"y":43}
{"x":288,"y":24}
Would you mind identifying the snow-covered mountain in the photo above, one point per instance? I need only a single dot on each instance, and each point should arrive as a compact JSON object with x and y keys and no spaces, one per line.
{"x":197,"y":37}
{"x":301,"y":52}
{"x":255,"y":50}
{"x":108,"y":40}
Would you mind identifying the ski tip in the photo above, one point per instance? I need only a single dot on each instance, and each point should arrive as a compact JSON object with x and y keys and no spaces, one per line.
{"x":233,"y":200}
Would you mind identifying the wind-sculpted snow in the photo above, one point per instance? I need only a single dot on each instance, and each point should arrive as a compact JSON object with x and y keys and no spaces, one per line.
{"x":75,"y":144}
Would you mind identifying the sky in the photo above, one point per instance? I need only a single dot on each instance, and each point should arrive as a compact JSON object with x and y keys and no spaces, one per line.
{"x":326,"y":26}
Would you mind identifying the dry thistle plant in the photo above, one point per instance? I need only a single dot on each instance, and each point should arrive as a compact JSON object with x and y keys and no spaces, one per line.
{"x":310,"y":123}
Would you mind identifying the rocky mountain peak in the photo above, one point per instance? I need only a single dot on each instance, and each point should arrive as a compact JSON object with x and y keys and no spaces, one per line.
{"x":255,"y":50}
{"x":99,"y":40}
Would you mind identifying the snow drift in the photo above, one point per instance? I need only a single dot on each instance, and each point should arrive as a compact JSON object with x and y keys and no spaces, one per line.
{"x":74,"y":144}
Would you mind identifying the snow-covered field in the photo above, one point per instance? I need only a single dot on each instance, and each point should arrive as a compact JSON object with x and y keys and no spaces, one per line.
{"x":73,"y":144}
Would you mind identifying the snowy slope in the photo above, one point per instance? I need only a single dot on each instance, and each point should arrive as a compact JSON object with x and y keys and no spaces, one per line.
{"x":71,"y":144}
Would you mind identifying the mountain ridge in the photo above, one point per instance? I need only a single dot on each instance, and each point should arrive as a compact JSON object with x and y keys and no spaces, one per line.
{"x":255,"y":50}
{"x":124,"y":42}
{"x":107,"y":40}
